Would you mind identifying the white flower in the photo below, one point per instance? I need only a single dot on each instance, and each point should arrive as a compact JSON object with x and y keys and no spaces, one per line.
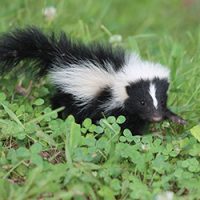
{"x":49,"y":13}
{"x":144,"y":147}
{"x":168,"y":195}
{"x":115,"y":39}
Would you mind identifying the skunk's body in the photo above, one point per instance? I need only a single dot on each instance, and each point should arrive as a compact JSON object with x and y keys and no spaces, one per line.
{"x":93,"y":80}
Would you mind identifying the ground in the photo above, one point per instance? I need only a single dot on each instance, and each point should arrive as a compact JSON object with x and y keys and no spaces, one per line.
{"x":43,"y":157}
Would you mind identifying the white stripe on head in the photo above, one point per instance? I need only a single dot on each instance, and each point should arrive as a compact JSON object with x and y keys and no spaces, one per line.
{"x":152,"y":92}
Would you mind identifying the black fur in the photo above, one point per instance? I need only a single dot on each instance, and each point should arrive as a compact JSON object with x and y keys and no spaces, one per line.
{"x":32,"y":44}
{"x":28,"y":44}
{"x":93,"y":111}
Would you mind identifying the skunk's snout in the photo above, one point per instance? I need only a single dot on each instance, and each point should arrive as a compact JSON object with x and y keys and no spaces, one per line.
{"x":157,"y":117}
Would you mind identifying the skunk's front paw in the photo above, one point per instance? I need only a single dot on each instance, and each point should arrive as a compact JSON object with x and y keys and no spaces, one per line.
{"x":174,"y":117}
{"x":178,"y":120}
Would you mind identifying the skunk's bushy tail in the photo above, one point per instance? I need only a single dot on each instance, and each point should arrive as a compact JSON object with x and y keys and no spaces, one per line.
{"x":28,"y":44}
{"x":48,"y":51}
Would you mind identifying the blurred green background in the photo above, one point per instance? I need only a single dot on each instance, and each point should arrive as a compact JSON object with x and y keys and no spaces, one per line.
{"x":127,"y":17}
{"x":36,"y":157}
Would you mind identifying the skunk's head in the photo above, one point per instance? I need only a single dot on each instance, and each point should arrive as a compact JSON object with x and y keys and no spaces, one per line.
{"x":141,"y":87}
{"x":147,"y":99}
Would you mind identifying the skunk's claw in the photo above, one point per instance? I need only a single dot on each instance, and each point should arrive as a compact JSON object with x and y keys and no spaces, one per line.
{"x":178,"y":120}
{"x":175,"y":118}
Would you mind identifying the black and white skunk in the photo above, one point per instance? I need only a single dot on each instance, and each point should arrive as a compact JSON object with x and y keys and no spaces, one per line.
{"x":93,"y":80}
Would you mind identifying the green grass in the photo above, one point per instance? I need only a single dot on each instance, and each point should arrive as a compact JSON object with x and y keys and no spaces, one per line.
{"x":43,"y":157}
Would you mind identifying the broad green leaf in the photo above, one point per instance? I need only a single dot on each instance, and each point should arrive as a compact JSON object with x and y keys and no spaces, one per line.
{"x":12,"y":115}
{"x":106,"y":193}
{"x":99,"y":129}
{"x":47,"y":138}
{"x":36,"y":148}
{"x":122,"y":139}
{"x":121,"y":119}
{"x":21,"y":136}
{"x":87,"y":123}
{"x":2,"y":97}
{"x":22,"y":152}
{"x":39,"y":102}
{"x":74,"y":135}
{"x":115,"y":184}
{"x":195,"y":131}
{"x":111,"y":119}
{"x":92,"y":128}
{"x":36,"y":159}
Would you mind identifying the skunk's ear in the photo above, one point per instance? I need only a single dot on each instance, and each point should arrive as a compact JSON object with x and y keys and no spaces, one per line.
{"x":128,"y":90}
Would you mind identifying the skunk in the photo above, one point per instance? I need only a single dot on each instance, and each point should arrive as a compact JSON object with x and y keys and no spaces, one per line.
{"x":93,"y":80}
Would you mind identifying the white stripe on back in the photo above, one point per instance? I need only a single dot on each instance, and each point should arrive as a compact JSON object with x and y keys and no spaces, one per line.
{"x":84,"y":80}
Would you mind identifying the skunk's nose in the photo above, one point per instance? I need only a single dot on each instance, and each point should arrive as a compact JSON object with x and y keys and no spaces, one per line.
{"x":156,"y":117}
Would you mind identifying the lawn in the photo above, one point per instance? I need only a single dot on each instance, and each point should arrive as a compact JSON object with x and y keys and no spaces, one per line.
{"x":44,"y":157}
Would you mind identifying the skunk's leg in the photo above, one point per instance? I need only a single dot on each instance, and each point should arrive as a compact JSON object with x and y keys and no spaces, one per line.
{"x":174,"y":117}
{"x":61,"y":99}
{"x":136,"y":126}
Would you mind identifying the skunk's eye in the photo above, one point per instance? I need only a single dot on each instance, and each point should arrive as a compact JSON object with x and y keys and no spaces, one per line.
{"x":142,"y":102}
{"x":162,"y":102}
